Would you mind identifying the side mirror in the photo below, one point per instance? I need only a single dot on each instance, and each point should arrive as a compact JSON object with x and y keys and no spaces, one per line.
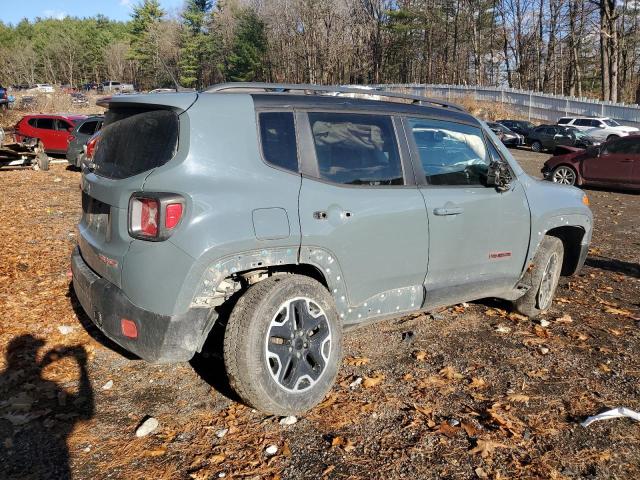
{"x":593,"y":151}
{"x":499,"y":176}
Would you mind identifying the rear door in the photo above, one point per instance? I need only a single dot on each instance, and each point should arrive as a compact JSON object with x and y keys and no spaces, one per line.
{"x":45,"y":130}
{"x":478,"y":237}
{"x":359,"y":201}
{"x":614,"y":164}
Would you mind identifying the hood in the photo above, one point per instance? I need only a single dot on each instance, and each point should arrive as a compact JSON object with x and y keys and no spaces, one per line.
{"x":572,"y":154}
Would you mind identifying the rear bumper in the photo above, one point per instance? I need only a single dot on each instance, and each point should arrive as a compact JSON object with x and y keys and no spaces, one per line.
{"x":161,"y":338}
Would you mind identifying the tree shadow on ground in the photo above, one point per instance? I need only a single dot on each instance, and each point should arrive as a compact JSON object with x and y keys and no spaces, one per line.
{"x":614,"y":265}
{"x":37,"y":415}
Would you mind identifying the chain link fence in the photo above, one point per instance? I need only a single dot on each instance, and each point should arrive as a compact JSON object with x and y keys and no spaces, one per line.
{"x":534,"y":106}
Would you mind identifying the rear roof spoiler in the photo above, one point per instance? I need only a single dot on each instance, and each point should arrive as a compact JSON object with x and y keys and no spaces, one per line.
{"x":309,"y":89}
{"x":178,"y":101}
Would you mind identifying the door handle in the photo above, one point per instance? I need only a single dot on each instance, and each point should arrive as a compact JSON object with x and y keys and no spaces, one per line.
{"x":320,"y":215}
{"x":442,"y":211}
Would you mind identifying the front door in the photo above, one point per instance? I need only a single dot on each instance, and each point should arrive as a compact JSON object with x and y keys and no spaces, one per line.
{"x":359,"y":202}
{"x":614,"y":164}
{"x":478,"y":237}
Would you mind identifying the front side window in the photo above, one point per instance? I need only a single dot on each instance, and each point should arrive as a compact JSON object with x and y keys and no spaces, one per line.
{"x":356,"y":149}
{"x":278,"y":139}
{"x":450,"y":153}
{"x":61,"y":125}
{"x":621,"y":146}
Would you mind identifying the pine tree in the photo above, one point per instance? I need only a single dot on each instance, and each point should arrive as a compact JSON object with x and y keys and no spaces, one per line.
{"x":247,"y":58}
{"x":144,"y":42}
{"x":196,"y":47}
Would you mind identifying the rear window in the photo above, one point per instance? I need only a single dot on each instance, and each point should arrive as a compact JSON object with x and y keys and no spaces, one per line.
{"x":136,"y":143}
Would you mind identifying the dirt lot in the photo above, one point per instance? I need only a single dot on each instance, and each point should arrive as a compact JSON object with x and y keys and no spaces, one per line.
{"x":469,"y":392}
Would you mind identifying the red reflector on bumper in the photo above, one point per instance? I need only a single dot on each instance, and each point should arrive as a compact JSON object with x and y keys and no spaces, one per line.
{"x":129,"y":328}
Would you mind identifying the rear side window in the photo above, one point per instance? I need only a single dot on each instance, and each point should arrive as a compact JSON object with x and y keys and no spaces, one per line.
{"x":563,"y":121}
{"x":356,"y":149}
{"x":278,"y":139}
{"x":88,"y":128}
{"x":450,"y":153}
{"x":45,"y":123}
{"x":583,"y":122}
{"x":137,"y":143}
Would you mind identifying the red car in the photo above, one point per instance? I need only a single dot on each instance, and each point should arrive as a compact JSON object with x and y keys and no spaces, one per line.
{"x":52,"y":130}
{"x":613,"y":164}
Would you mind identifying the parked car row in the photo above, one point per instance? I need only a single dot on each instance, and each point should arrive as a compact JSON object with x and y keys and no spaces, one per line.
{"x":58,"y":133}
{"x":579,"y":132}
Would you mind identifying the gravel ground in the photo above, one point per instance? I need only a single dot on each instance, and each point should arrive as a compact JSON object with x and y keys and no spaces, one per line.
{"x":476,"y":391}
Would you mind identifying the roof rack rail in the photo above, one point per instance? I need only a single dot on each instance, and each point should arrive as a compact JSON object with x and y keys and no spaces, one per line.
{"x":312,"y":89}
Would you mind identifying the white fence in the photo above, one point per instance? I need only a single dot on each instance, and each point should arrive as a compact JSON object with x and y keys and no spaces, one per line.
{"x":532,"y":105}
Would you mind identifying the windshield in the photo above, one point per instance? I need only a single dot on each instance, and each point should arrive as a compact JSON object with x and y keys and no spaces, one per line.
{"x":611,"y":123}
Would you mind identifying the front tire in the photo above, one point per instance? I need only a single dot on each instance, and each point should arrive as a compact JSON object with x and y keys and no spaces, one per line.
{"x":543,"y":278}
{"x":536,"y":146}
{"x":283,"y":345}
{"x":612,"y":137}
{"x":564,"y":175}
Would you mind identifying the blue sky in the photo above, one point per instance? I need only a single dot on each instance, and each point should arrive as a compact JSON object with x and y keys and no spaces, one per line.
{"x":115,"y":9}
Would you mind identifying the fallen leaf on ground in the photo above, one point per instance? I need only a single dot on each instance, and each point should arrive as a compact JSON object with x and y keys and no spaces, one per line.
{"x":518,"y":398}
{"x":420,"y":355}
{"x":470,"y":429}
{"x":328,"y":470}
{"x":356,"y":361}
{"x":369,"y":382}
{"x":477,"y":383}
{"x":566,"y":318}
{"x":485,"y":448}
{"x":450,"y":373}
{"x":447,"y":430}
{"x":481,"y":473}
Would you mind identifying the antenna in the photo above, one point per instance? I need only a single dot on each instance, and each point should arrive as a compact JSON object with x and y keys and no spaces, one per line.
{"x":175,"y":82}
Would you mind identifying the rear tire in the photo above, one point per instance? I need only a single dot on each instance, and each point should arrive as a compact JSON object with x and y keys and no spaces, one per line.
{"x":536,"y":146}
{"x":543,"y":278}
{"x":42,"y":159}
{"x":283,"y":345}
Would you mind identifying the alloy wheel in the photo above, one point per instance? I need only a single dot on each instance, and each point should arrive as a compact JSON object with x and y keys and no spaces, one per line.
{"x":298,"y":344}
{"x":564,"y":175}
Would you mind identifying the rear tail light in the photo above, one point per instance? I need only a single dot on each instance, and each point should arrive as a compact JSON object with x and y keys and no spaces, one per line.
{"x":91,"y":146}
{"x":154,"y":216}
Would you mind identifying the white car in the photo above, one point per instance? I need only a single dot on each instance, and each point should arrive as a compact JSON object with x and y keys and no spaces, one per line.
{"x":600,"y":128}
{"x":42,"y":88}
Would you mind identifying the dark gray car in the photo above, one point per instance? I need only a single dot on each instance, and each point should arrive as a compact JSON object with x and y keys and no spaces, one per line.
{"x":82,"y":132}
{"x":273,"y":217}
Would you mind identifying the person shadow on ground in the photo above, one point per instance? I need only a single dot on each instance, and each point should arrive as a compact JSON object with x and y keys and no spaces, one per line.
{"x":37,"y":415}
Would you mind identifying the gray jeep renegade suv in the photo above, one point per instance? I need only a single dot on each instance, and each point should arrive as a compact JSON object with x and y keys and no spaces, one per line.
{"x":303,"y":214}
